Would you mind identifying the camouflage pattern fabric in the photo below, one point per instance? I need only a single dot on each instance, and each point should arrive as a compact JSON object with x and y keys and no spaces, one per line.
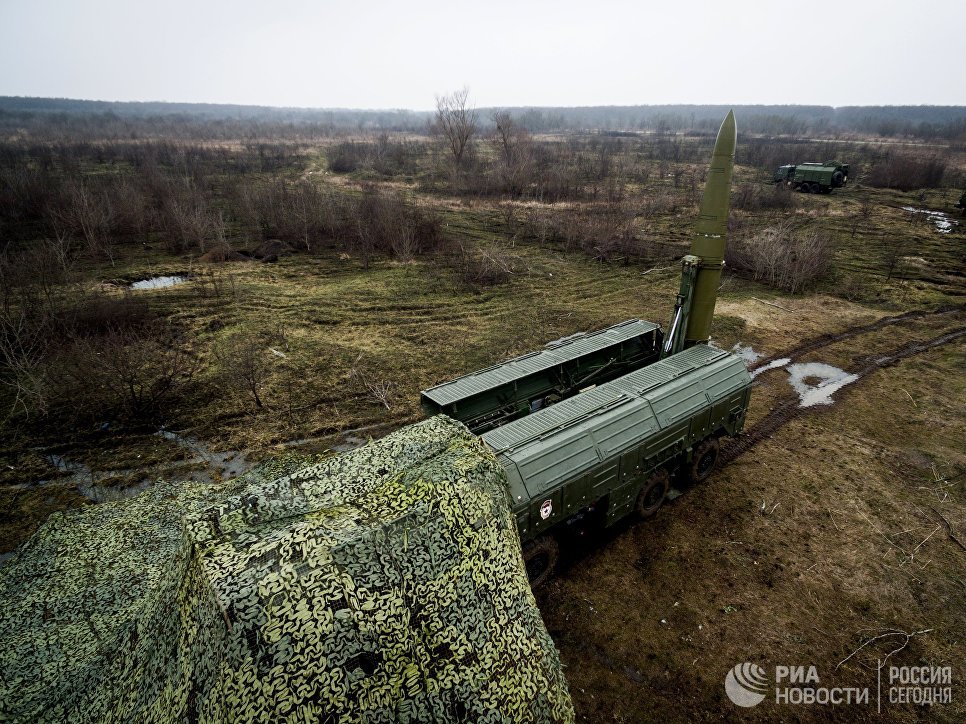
{"x":382,"y":585}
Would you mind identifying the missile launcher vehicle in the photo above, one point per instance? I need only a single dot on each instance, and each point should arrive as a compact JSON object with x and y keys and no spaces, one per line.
{"x":600,"y":424}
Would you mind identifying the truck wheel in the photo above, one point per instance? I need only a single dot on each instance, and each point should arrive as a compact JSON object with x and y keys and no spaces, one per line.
{"x":805,"y":188}
{"x":816,"y":188}
{"x":540,"y":557}
{"x":703,"y":460}
{"x":652,"y":495}
{"x":837,"y":178}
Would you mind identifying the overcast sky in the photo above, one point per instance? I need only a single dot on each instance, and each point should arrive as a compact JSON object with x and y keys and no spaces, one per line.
{"x":374,"y":54}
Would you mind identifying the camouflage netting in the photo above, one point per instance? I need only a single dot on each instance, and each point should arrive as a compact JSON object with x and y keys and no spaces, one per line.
{"x":380,"y":585}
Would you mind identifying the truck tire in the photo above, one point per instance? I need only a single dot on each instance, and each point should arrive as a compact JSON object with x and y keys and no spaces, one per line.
{"x":652,"y":495}
{"x":805,"y":188}
{"x":540,"y":558}
{"x":816,"y":188}
{"x":837,"y":178}
{"x":704,"y":460}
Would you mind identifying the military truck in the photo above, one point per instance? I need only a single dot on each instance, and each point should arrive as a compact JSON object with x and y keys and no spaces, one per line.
{"x":813,"y":178}
{"x":598,"y":425}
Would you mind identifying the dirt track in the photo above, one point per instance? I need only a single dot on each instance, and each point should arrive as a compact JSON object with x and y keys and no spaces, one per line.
{"x":765,"y":427}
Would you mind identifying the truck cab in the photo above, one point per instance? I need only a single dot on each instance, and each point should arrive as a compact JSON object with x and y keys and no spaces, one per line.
{"x":784,"y":174}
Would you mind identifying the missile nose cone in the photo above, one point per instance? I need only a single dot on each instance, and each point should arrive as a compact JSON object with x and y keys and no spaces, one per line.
{"x":727,"y":136}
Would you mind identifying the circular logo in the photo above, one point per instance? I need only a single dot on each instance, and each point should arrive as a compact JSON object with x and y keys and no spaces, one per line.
{"x":546,"y":508}
{"x":746,"y":685}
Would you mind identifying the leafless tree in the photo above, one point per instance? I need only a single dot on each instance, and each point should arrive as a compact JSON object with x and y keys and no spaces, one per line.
{"x":455,"y":122}
{"x":244,"y":363}
{"x":515,"y":149}
{"x":85,"y":212}
{"x":893,"y":250}
{"x":190,"y":223}
{"x":863,"y":214}
{"x":123,"y":372}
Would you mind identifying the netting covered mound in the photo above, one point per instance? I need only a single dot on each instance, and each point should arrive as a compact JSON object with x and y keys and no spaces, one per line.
{"x":384,"y":584}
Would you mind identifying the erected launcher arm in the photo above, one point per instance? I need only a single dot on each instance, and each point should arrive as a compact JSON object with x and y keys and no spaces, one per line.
{"x":701,"y":269}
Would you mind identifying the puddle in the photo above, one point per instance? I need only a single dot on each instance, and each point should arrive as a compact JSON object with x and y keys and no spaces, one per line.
{"x":85,"y":480}
{"x":748,"y":354}
{"x":831,"y":379}
{"x":109,"y":493}
{"x":349,"y":442}
{"x":159,"y":282}
{"x":228,"y":463}
{"x":68,"y":466}
{"x":773,"y":365}
{"x":942,"y":222}
{"x":223,"y":465}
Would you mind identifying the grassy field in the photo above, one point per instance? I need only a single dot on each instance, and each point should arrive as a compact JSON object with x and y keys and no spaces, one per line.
{"x":828,"y":533}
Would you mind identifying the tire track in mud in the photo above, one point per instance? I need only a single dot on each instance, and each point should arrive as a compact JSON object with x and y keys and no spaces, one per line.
{"x":827,"y":339}
{"x":790,"y":409}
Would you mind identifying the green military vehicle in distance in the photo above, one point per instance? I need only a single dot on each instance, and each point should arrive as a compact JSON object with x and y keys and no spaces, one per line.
{"x":813,"y":178}
{"x":598,"y":424}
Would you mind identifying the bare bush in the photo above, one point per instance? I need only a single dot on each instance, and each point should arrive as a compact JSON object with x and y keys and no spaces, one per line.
{"x":606,"y":231}
{"x":25,"y":342}
{"x":782,"y":256}
{"x":483,"y":266}
{"x":385,"y":156}
{"x":32,"y":320}
{"x":244,"y":365}
{"x":296,"y":212}
{"x":379,"y":390}
{"x":656,"y":204}
{"x":905,"y":171}
{"x":25,"y":193}
{"x":85,"y":212}
{"x":189,"y":222}
{"x":388,"y":222}
{"x":752,"y":197}
{"x":130,"y":374}
{"x":348,"y":156}
{"x":862,"y":214}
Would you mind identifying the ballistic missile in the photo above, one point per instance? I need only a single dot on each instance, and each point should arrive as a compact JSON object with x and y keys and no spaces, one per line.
{"x":711,"y":234}
{"x":701,"y":269}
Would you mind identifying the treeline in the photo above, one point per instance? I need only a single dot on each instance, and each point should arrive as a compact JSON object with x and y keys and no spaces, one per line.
{"x":199,"y":120}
